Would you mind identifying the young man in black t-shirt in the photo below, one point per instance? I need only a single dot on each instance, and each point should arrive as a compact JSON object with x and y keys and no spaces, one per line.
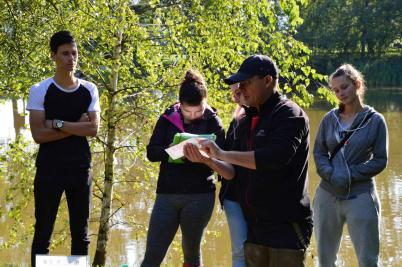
{"x":63,"y":111}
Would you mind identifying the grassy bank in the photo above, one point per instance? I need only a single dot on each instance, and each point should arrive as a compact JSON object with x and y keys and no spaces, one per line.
{"x":378,"y":71}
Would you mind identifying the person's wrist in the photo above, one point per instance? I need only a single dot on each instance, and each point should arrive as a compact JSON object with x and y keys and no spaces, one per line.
{"x":57,"y":124}
{"x":48,"y":124}
{"x":209,"y":161}
{"x":220,"y":154}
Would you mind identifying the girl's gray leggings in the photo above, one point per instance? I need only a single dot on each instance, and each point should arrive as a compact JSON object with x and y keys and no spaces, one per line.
{"x":189,"y":211}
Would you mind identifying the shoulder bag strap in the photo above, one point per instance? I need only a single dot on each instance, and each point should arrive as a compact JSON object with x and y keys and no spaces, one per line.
{"x":346,"y":138}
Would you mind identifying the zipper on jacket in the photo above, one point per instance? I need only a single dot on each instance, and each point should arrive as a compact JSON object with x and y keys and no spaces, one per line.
{"x":254,"y":122}
{"x":349,"y":178}
{"x":360,"y":126}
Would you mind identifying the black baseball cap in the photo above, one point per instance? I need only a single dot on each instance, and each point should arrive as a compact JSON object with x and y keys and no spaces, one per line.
{"x":260,"y":65}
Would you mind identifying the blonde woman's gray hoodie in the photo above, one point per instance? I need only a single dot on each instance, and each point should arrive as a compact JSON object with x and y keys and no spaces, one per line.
{"x":365,"y":154}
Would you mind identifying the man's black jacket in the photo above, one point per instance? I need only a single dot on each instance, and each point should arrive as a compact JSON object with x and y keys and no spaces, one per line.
{"x":276,"y":192}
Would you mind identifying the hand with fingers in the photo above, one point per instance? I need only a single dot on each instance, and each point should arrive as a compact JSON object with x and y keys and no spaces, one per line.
{"x":210,"y":148}
{"x":192,"y":153}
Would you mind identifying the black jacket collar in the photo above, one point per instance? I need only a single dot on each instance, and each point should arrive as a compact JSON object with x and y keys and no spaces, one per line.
{"x":270,"y":103}
{"x":267,"y":106}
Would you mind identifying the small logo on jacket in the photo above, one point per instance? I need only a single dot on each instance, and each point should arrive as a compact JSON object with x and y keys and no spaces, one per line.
{"x":260,"y":133}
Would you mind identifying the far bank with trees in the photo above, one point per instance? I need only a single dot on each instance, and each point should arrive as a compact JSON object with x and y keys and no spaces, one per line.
{"x":366,"y":33}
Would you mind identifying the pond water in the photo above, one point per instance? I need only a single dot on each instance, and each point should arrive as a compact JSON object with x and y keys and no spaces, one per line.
{"x":127,"y":242}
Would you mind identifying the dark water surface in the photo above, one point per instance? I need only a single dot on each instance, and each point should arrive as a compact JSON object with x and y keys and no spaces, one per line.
{"x":127,"y":245}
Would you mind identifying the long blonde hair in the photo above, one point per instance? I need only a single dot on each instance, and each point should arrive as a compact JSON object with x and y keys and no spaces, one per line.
{"x":351,"y":73}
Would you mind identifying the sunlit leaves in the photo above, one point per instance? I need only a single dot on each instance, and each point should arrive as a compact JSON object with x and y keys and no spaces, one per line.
{"x":17,"y":168}
{"x":139,"y":75}
{"x":327,"y":94}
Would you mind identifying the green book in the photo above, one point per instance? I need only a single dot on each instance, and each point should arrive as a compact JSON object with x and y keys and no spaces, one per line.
{"x":180,"y":137}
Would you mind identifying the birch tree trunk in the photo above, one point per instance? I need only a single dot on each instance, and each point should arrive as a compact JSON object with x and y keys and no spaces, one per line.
{"x":104,"y":221}
{"x":19,"y":120}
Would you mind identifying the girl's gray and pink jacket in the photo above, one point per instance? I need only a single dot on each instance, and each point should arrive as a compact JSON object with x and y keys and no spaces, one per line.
{"x":187,"y":178}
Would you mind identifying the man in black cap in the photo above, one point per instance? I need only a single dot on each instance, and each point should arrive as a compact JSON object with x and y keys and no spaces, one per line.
{"x":270,"y":160}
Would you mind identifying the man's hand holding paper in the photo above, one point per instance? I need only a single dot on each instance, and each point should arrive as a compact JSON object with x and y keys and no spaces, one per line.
{"x":177,"y":151}
{"x":193,"y":153}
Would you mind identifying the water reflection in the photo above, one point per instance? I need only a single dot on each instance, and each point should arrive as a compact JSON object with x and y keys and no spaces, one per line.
{"x":127,"y":240}
{"x":385,"y":100}
{"x":382,"y":99}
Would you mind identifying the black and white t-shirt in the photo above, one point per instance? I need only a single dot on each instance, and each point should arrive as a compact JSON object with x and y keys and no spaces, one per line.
{"x":66,"y":105}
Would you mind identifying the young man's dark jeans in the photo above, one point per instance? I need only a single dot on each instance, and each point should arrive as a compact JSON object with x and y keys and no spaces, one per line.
{"x":49,"y":186}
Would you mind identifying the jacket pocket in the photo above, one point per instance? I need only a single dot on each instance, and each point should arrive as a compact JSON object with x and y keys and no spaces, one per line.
{"x":339,"y":179}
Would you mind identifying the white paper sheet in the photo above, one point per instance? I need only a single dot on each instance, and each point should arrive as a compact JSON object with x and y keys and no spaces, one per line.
{"x":176,"y":151}
{"x":61,"y":261}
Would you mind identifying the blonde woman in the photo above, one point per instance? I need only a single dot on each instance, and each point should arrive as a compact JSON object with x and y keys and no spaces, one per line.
{"x":351,"y":147}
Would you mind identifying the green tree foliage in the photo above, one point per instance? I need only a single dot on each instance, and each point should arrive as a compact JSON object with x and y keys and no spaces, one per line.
{"x":351,"y":26}
{"x":365,"y":33}
{"x":24,"y":31}
{"x":17,"y":167}
{"x":137,"y":54}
